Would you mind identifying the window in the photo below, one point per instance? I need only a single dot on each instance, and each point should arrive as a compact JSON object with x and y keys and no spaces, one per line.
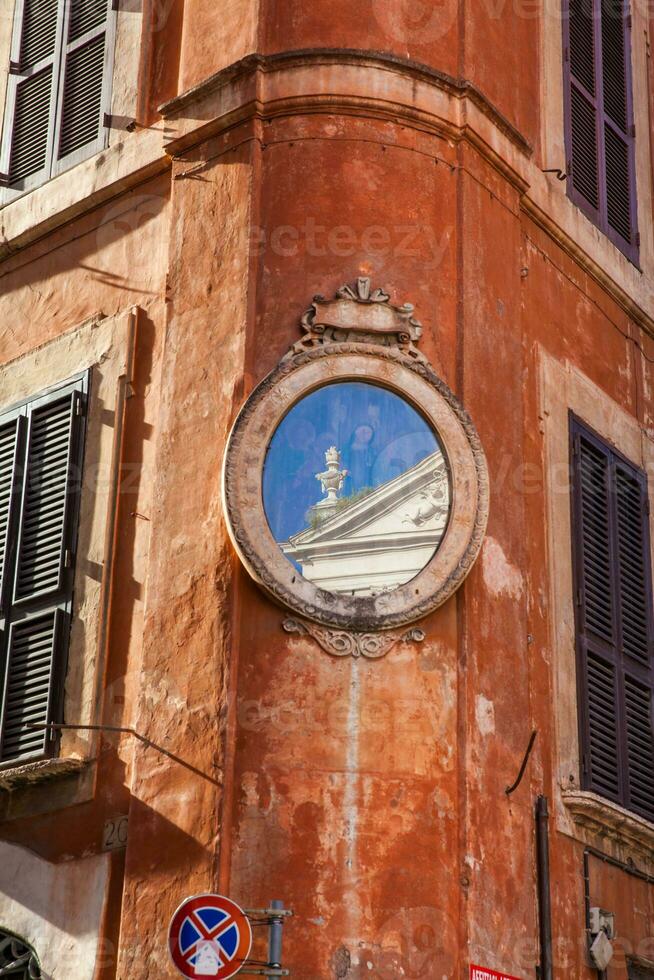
{"x":613,"y":622}
{"x":41,"y":448}
{"x":18,"y":961}
{"x":58,"y":91}
{"x":599,"y":117}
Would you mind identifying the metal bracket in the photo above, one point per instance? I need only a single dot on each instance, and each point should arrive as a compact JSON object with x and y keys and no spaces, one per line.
{"x":272,"y":917}
{"x":268,"y":913}
{"x":112,"y":121}
{"x":262,"y":971}
{"x":560,"y":174}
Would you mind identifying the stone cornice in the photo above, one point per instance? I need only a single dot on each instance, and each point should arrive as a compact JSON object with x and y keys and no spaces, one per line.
{"x":383,"y":86}
{"x":266,"y":64}
{"x":594,"y":269}
{"x":609,"y":820}
{"x":39,"y":772}
{"x":347,"y":82}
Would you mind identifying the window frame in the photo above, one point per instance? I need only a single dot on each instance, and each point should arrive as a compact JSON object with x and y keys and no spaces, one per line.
{"x":613,"y":652}
{"x":53,"y":167}
{"x":599,"y":215}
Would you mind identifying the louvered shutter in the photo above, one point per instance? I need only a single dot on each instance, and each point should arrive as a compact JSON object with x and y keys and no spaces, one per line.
{"x":47,"y":499}
{"x":11,"y":463}
{"x":634,"y":594}
{"x":583,"y":166}
{"x":85,"y":81}
{"x":59,"y":89}
{"x":33,"y":672}
{"x":618,"y":121}
{"x":32,"y":93}
{"x":38,"y":570}
{"x":599,"y":116}
{"x":614,"y":623}
{"x":599,"y":676}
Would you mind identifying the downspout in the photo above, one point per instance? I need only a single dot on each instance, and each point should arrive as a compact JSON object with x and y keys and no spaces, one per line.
{"x":544,"y":889}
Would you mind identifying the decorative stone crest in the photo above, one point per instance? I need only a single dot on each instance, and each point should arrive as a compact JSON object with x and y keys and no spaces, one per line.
{"x":343,"y":643}
{"x":363,"y":315}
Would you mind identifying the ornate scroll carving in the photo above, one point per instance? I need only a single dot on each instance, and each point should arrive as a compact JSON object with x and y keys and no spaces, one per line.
{"x":360,"y":314}
{"x":343,"y":643}
{"x":606,"y":819}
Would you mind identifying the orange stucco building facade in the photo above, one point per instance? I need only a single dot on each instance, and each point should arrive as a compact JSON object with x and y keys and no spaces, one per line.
{"x":260,"y":153}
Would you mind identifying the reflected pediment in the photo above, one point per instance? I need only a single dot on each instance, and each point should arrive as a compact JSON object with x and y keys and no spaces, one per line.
{"x":379,"y":538}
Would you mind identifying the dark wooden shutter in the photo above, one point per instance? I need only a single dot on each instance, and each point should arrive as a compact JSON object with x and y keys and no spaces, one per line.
{"x":635,"y":632}
{"x":583,"y":142}
{"x":30,"y":696}
{"x":11,"y":461}
{"x":618,"y":122}
{"x":44,"y":485}
{"x":48,"y":496}
{"x":614,"y":622}
{"x":599,"y":116}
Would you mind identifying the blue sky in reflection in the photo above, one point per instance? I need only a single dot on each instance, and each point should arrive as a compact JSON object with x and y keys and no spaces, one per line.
{"x":378,"y":434}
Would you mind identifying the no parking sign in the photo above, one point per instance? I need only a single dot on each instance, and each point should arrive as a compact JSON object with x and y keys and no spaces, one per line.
{"x":209,"y":936}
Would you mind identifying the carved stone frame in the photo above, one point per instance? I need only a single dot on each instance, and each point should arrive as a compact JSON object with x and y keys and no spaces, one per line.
{"x":351,"y":338}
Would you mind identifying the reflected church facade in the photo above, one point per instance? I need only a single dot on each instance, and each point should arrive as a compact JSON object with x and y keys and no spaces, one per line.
{"x":379,"y":538}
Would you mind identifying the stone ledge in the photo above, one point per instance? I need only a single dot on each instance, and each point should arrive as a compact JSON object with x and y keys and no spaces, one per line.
{"x":386,"y":87}
{"x":43,"y":771}
{"x":608,"y":819}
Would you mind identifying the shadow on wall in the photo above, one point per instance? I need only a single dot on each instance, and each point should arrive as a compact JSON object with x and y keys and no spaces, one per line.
{"x":59,"y":908}
{"x":105,"y":231}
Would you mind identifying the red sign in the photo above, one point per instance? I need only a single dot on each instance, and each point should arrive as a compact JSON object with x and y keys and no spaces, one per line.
{"x":210,"y":936}
{"x":483,"y":973}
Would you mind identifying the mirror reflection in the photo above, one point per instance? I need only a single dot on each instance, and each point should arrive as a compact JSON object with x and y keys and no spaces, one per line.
{"x":356,"y":489}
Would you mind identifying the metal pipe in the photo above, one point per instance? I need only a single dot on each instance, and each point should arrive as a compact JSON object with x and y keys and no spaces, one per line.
{"x":629,"y":869}
{"x":275,"y":936}
{"x":587,"y":895}
{"x":544,"y":890}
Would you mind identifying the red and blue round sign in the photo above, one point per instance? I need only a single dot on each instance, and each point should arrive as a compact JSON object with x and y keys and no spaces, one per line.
{"x":209,"y":936}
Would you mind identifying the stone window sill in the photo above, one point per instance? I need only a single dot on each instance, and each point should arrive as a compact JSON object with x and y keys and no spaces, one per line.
{"x":609,"y":820}
{"x":38,"y":772}
{"x":44,"y":786}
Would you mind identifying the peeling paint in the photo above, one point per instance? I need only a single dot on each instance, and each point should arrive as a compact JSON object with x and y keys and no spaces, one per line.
{"x":500,"y":576}
{"x":485,"y":715}
{"x":351,"y":799}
